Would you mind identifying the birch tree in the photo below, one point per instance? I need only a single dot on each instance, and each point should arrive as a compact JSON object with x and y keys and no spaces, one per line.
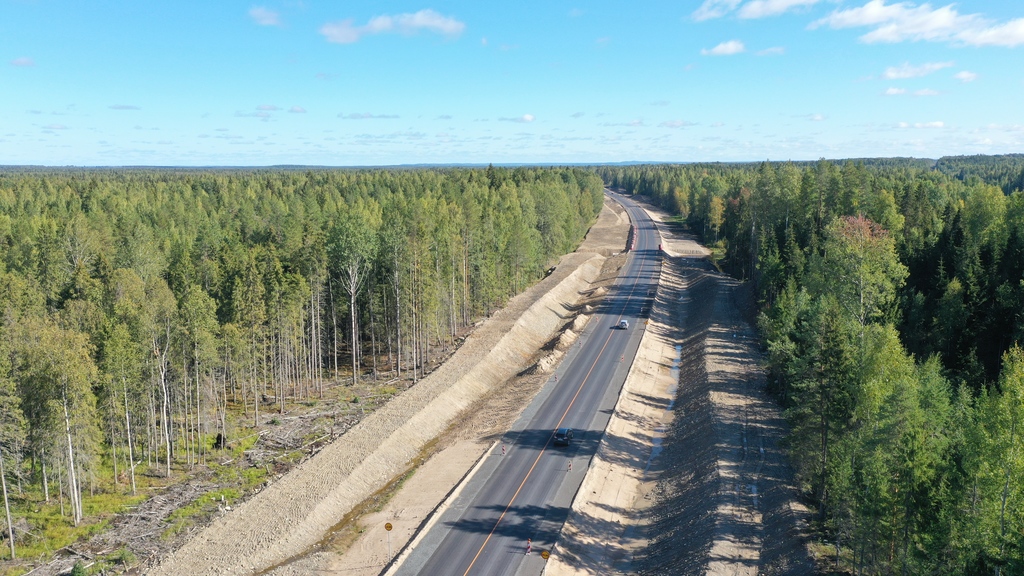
{"x":351,"y":247}
{"x":12,"y":435}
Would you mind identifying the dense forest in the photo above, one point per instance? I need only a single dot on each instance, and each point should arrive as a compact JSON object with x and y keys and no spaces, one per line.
{"x":147,"y":316}
{"x":892,"y":300}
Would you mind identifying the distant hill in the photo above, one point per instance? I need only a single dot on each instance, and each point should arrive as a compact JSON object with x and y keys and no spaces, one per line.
{"x":1005,"y":170}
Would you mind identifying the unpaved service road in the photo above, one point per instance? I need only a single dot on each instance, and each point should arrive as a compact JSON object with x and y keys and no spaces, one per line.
{"x":690,"y":477}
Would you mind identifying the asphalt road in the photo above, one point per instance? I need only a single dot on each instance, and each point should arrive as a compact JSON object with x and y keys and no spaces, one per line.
{"x":526,"y":492}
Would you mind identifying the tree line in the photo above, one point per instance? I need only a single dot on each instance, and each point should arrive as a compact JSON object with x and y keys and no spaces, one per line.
{"x":892,"y":313}
{"x":147,"y":315}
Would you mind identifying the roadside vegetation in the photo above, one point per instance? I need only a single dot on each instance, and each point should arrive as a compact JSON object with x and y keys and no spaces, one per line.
{"x":158,"y":326}
{"x":892,"y":313}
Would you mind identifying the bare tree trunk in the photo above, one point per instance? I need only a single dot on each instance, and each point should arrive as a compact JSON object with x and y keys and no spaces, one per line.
{"x":373,"y":341}
{"x":334,"y":322}
{"x":46,"y":483}
{"x":151,"y":428}
{"x":113,"y":440}
{"x":128,"y":426}
{"x":165,"y":413}
{"x":60,"y":488}
{"x":398,"y":323}
{"x":200,"y":451}
{"x":355,"y":335}
{"x":72,"y":478}
{"x":7,"y":506}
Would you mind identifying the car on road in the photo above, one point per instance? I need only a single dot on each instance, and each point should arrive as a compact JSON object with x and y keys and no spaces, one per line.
{"x":563,"y":436}
{"x":623,"y":324}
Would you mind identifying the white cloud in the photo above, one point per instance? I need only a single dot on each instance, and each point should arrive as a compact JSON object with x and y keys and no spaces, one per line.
{"x":524,"y":119}
{"x":725,"y":49}
{"x":1008,"y":34}
{"x":297,"y":110}
{"x":965,"y":76}
{"x":267,"y":107}
{"x":714,"y":9}
{"x":345,"y":32}
{"x":676,"y":124}
{"x":367,"y":116}
{"x":341,"y":32}
{"x":926,"y":92}
{"x":262,"y":115}
{"x":55,"y":127}
{"x":907,"y":71}
{"x":816,"y":117}
{"x":921,"y":125}
{"x":765,"y":8}
{"x":23,"y":62}
{"x":773,"y":51}
{"x":895,"y":91}
{"x":124,"y":107}
{"x":906,"y":21}
{"x":264,"y":17}
{"x":752,"y":9}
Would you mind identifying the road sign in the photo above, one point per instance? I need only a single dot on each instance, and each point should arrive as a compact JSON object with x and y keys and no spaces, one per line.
{"x":545,"y":554}
{"x":388,"y":527}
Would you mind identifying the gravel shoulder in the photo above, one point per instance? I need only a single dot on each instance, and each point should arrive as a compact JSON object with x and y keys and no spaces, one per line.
{"x":283,"y":528}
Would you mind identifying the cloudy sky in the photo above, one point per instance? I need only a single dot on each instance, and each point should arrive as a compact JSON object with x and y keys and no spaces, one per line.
{"x":114,"y":82}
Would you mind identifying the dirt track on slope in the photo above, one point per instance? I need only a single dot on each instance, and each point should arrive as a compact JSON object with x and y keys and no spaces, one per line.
{"x":292,"y":515}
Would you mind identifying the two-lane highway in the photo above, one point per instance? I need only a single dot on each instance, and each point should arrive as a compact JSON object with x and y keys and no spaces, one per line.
{"x":525,"y":493}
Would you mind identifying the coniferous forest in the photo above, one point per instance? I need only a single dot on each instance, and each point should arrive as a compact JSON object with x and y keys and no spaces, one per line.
{"x":147,"y":315}
{"x":892,"y":313}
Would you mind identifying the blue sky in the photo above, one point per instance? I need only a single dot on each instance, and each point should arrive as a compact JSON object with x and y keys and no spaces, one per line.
{"x":377,"y":83}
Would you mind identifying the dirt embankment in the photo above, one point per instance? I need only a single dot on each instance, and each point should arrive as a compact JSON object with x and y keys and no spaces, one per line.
{"x":725,"y":499}
{"x":294,"y":514}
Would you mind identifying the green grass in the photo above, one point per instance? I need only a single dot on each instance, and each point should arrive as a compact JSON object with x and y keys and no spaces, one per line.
{"x":186,"y":516}
{"x":240,"y":482}
{"x":50,"y":531}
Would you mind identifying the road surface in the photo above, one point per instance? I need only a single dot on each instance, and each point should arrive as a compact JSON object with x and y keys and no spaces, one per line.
{"x":526,"y":492}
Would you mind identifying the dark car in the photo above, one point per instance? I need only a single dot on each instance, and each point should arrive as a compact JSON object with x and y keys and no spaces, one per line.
{"x":563,"y":436}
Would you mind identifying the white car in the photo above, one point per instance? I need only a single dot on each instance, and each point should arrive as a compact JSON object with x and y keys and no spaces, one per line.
{"x":623,"y":324}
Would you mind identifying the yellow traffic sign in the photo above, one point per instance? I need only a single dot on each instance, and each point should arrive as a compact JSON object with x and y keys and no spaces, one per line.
{"x":545,"y":554}
{"x":388,"y":526}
